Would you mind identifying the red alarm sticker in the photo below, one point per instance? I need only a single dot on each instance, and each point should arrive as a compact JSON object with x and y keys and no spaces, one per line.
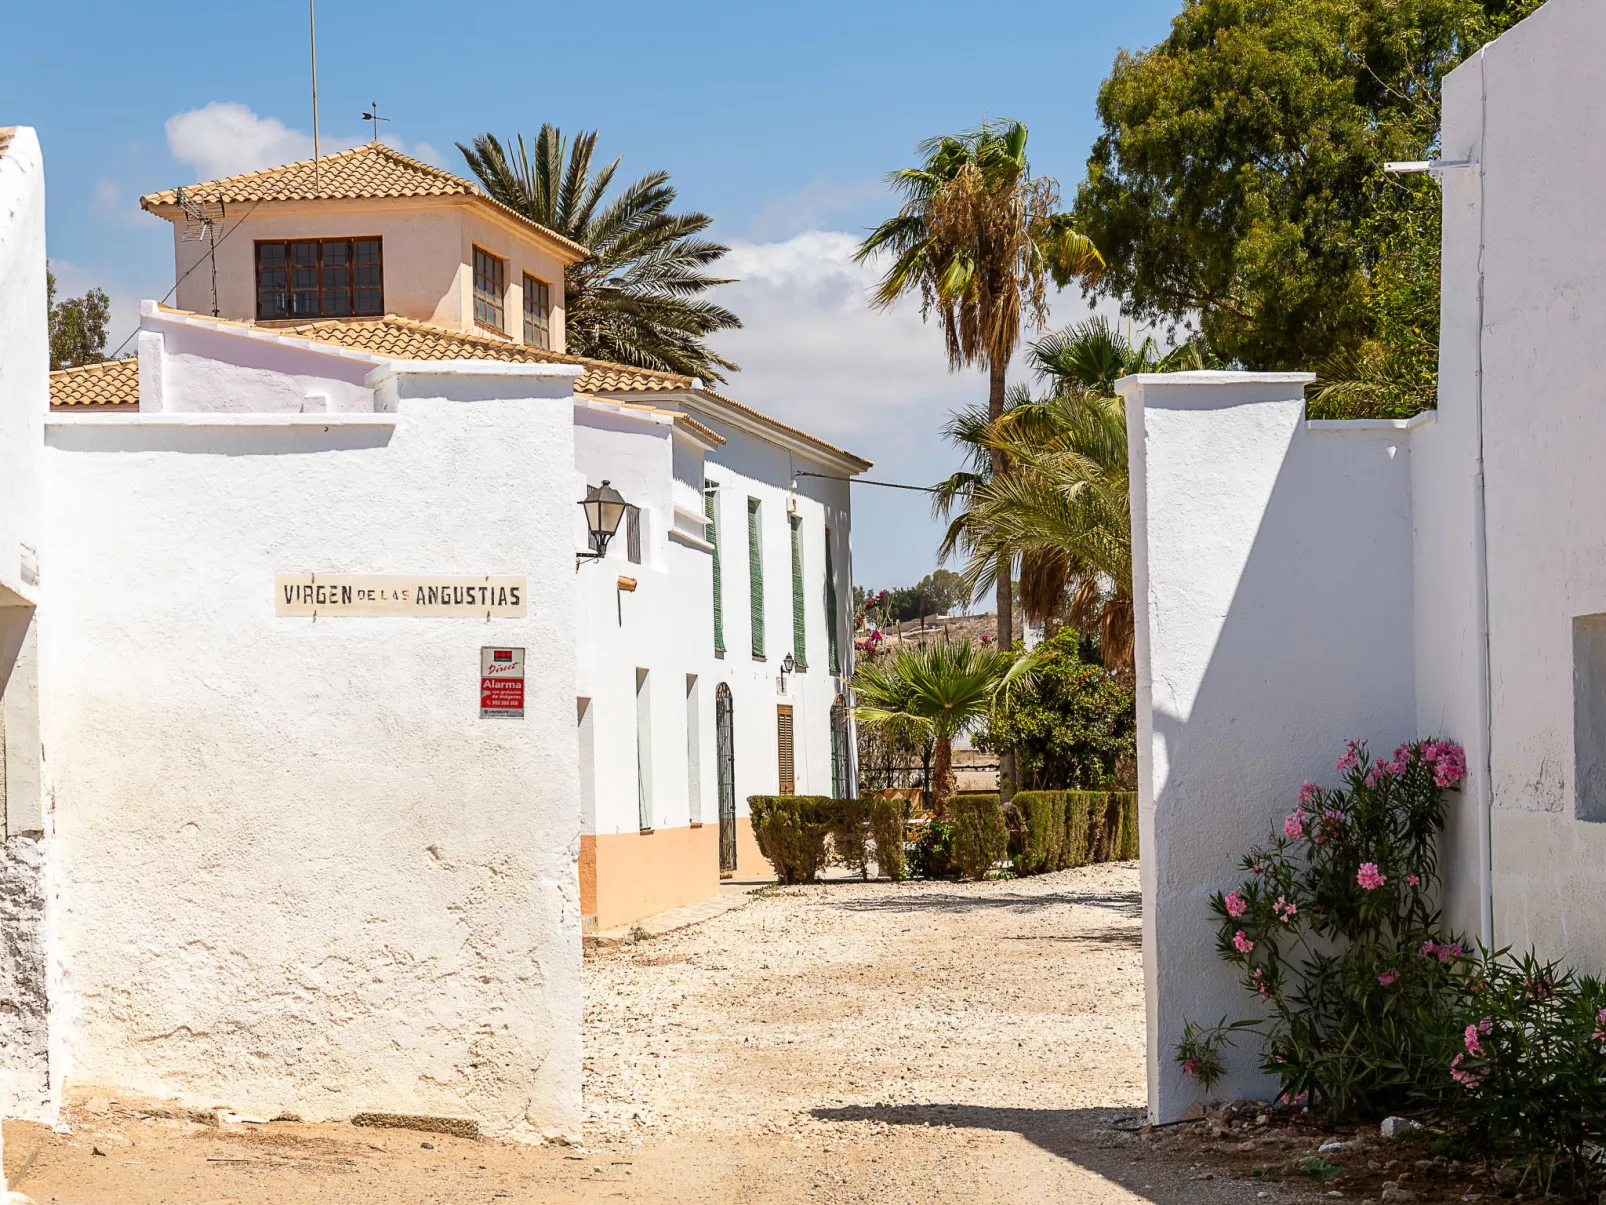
{"x":502,"y":682}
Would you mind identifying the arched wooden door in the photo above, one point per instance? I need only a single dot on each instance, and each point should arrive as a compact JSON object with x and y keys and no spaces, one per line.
{"x":725,"y":763}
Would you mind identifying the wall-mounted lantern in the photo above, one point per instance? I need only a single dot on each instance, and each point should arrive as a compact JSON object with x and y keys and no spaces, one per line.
{"x":787,"y":664}
{"x":604,"y":507}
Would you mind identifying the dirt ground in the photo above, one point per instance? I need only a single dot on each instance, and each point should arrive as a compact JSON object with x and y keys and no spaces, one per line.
{"x":841,"y":1042}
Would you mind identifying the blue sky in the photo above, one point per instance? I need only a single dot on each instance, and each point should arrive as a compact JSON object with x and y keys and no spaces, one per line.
{"x":778,"y":120}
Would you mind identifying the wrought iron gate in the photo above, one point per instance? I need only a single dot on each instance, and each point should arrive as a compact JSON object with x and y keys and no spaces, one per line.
{"x":725,"y":762}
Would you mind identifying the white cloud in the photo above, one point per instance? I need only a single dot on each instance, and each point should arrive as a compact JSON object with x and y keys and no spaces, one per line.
{"x":815,"y":354}
{"x":225,"y":138}
{"x":813,"y":207}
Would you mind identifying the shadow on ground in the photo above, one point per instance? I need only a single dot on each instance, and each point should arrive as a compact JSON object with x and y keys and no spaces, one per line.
{"x":1086,"y":1137}
{"x":1121,"y":938}
{"x":1122,"y":903}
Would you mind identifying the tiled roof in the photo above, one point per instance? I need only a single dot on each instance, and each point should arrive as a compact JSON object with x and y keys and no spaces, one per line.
{"x":369,"y":172}
{"x":760,"y":416}
{"x":111,"y":383}
{"x":404,"y":339}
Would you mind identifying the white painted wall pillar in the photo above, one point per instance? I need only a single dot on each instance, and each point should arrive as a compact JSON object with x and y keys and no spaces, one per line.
{"x":1271,"y":566}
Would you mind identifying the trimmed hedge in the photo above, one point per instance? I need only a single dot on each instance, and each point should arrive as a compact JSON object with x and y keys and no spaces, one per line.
{"x":802,"y":834}
{"x":791,"y":831}
{"x":981,"y":839}
{"x":1054,"y":830}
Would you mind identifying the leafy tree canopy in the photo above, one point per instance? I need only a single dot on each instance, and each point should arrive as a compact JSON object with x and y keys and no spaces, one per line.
{"x":1071,"y":724}
{"x":77,"y":326}
{"x":1238,"y":183}
{"x":936,"y":594}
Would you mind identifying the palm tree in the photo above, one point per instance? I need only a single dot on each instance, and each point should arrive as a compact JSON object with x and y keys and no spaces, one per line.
{"x":1062,"y":510}
{"x":637,"y":299}
{"x":978,"y":238}
{"x":941,"y":690}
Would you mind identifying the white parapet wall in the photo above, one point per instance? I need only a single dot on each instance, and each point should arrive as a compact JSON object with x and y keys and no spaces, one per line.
{"x":296,"y":870}
{"x":1272,"y":572}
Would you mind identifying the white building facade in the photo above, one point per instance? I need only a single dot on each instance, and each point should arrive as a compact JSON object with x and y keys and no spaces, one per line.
{"x":349,"y":735}
{"x":1301,"y":583}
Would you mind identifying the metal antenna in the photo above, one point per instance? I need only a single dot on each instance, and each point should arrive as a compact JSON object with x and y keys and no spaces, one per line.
{"x":373,"y":116}
{"x":201,"y":220}
{"x":312,"y":33}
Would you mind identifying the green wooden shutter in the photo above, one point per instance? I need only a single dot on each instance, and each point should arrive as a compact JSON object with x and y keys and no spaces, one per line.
{"x":711,"y":534}
{"x":755,"y":578}
{"x":800,"y":656}
{"x":830,"y":608}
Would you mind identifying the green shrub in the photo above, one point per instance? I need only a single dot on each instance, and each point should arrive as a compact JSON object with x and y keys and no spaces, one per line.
{"x":932,"y":855}
{"x":889,"y":818}
{"x":1039,"y":831}
{"x":791,"y":831}
{"x":980,"y":839}
{"x":850,"y":834}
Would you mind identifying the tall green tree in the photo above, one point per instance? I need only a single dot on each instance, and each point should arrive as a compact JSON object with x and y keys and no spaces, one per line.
{"x":640,"y":298}
{"x":979,"y":239}
{"x":1239,"y":179}
{"x":77,"y":326}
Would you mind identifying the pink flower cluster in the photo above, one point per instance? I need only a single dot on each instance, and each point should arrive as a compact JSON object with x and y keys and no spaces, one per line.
{"x":1415,"y":880}
{"x":1600,"y":1026}
{"x":1284,"y":909}
{"x":1328,"y":827}
{"x":1191,"y":1067}
{"x":1449,"y":762}
{"x":1473,"y":1033}
{"x":1388,"y":977}
{"x":1294,"y":826}
{"x":1236,"y":904}
{"x":1355,"y":749}
{"x":1242,"y":943}
{"x":1369,"y":877}
{"x":1260,"y":984}
{"x":1471,"y":1077}
{"x":1444,"y":952}
{"x":1308,"y":793}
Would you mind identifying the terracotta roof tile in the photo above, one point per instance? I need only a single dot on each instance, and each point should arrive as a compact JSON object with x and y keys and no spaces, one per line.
{"x":111,"y":383}
{"x":369,"y":172}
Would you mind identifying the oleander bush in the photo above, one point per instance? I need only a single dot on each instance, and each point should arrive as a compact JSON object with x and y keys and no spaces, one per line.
{"x":931,"y":853}
{"x":980,"y":839}
{"x":1370,"y":1005}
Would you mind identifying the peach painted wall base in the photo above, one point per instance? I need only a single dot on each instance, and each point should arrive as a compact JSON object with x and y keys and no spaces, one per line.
{"x":625,"y":877}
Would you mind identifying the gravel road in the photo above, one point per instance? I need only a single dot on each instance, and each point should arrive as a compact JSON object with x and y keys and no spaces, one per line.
{"x":833,"y":1043}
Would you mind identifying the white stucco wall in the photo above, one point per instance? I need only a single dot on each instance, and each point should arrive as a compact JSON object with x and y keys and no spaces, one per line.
{"x":428,"y":246}
{"x":24,"y":358}
{"x":1272,"y":572}
{"x":1541,"y":140}
{"x":296,"y":870}
{"x":24,"y":398}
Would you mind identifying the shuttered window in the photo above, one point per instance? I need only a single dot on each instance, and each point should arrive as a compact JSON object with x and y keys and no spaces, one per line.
{"x":633,"y":534}
{"x":783,"y":750}
{"x":711,"y":534}
{"x":800,"y":656}
{"x":755,"y":578}
{"x":830,"y":609}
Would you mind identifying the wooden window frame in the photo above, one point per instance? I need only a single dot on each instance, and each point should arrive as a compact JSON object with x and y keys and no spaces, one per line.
{"x":500,"y":294}
{"x":541,"y":326}
{"x":755,"y":576}
{"x":800,"y":653}
{"x":290,"y":290}
{"x":785,"y":750}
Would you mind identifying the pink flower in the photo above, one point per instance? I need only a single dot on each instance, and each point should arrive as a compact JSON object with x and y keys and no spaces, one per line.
{"x":1388,"y":977}
{"x":1329,"y":826}
{"x":1236,"y":904}
{"x":1600,"y":1026}
{"x":1415,"y":880}
{"x":1307,"y":793}
{"x":1191,"y":1067}
{"x":1242,"y":943}
{"x":1352,"y":758}
{"x":1284,"y":910}
{"x":1379,"y":771}
{"x":1294,"y":826}
{"x":1449,"y":762}
{"x":1467,"y":1079}
{"x":1471,"y":1036}
{"x":1369,"y":877}
{"x":1260,"y":984}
